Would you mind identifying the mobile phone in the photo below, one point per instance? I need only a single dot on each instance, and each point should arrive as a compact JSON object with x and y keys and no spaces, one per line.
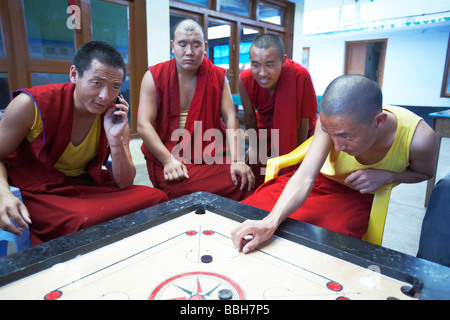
{"x":116,"y":118}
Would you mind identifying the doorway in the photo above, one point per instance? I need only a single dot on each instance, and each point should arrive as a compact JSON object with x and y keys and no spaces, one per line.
{"x":366,"y":58}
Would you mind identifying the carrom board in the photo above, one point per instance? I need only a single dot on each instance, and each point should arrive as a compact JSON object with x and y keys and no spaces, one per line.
{"x":186,"y":253}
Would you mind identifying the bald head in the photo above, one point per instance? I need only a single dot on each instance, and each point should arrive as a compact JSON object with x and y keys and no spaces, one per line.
{"x":352,"y":95}
{"x":268,"y":40}
{"x":188,"y":25}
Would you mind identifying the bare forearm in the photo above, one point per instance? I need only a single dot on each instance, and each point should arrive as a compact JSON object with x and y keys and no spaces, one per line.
{"x":123,"y":168}
{"x":234,"y":140}
{"x":293,"y":196}
{"x":153,"y":143}
{"x":250,"y":121}
{"x":409,"y":176}
{"x":4,"y":184}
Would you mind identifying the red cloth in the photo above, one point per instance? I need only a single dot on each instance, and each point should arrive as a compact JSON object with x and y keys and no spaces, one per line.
{"x":330,"y":205}
{"x":204,"y":113}
{"x":293,"y":100}
{"x":59,"y":205}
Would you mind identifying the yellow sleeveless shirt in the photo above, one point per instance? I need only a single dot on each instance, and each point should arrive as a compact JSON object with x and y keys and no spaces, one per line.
{"x":74,"y":159}
{"x":339,"y":165}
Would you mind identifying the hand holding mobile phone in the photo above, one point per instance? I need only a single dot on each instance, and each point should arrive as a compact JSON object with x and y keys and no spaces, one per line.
{"x":116,"y":118}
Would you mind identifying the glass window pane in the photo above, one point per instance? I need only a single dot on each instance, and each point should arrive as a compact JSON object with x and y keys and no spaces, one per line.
{"x":47,"y":31}
{"x":5,"y":97}
{"x":219,"y":44}
{"x":240,"y":7}
{"x":110,"y":24}
{"x":48,"y":78}
{"x":204,"y":3}
{"x":247,"y":37}
{"x":270,"y":14}
{"x":305,"y":57}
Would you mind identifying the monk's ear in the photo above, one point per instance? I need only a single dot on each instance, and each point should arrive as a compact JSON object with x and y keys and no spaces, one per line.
{"x":380,"y":120}
{"x":283,"y":59}
{"x":73,"y":74}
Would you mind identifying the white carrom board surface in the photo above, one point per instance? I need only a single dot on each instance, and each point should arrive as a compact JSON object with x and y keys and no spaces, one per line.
{"x":165,"y":262}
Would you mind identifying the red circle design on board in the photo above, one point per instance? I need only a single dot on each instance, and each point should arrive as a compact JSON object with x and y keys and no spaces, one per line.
{"x":208,"y":232}
{"x":191,"y":232}
{"x":54,"y":295}
{"x":334,"y":286}
{"x":238,"y":289}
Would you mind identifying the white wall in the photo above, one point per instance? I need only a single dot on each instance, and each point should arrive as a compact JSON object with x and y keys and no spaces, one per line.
{"x":298,"y":31}
{"x":158,"y":31}
{"x":414,"y":64}
{"x":415,"y":67}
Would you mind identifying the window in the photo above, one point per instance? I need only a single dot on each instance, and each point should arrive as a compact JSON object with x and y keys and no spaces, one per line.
{"x":305,"y":57}
{"x":115,"y":32}
{"x":204,"y":3}
{"x":232,"y":25}
{"x":239,"y":7}
{"x":110,"y":24}
{"x":247,"y":37}
{"x":270,"y":14}
{"x":51,"y":41}
{"x":39,"y":78}
{"x":219,"y":43}
{"x":47,"y":34}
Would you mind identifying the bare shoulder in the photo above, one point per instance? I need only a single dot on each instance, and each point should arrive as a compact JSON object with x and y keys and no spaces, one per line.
{"x":425,"y":140}
{"x":147,"y":80}
{"x":21,"y":110}
{"x":16,"y":122}
{"x":147,"y":96}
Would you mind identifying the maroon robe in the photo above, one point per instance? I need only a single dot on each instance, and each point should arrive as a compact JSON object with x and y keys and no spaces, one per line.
{"x":330,"y":205}
{"x":59,"y":204}
{"x":294,"y":99}
{"x":204,"y":113}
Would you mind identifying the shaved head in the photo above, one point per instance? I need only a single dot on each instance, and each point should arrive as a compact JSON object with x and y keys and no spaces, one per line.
{"x":268,"y":40}
{"x":188,"y":25}
{"x":352,"y":95}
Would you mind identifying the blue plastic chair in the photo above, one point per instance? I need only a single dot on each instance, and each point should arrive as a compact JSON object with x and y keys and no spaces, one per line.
{"x":20,"y":242}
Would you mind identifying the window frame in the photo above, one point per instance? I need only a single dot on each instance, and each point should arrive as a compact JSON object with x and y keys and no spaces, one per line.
{"x":203,"y":14}
{"x":20,"y":66}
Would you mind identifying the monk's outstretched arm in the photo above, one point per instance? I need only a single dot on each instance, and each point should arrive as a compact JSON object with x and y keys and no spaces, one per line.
{"x":293,"y":196}
{"x":174,"y":170}
{"x":16,"y":122}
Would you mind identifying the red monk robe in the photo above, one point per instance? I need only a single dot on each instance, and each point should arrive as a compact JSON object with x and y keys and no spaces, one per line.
{"x":330,"y":205}
{"x":59,"y":204}
{"x":204,"y":113}
{"x":293,"y":100}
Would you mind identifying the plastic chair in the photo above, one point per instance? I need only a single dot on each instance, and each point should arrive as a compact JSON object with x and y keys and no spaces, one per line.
{"x":20,"y":242}
{"x":380,"y":204}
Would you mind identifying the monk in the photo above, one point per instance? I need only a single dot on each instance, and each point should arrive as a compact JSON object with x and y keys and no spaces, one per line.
{"x":358,"y":147}
{"x":276,"y":93}
{"x":54,"y":140}
{"x":187,"y":145}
